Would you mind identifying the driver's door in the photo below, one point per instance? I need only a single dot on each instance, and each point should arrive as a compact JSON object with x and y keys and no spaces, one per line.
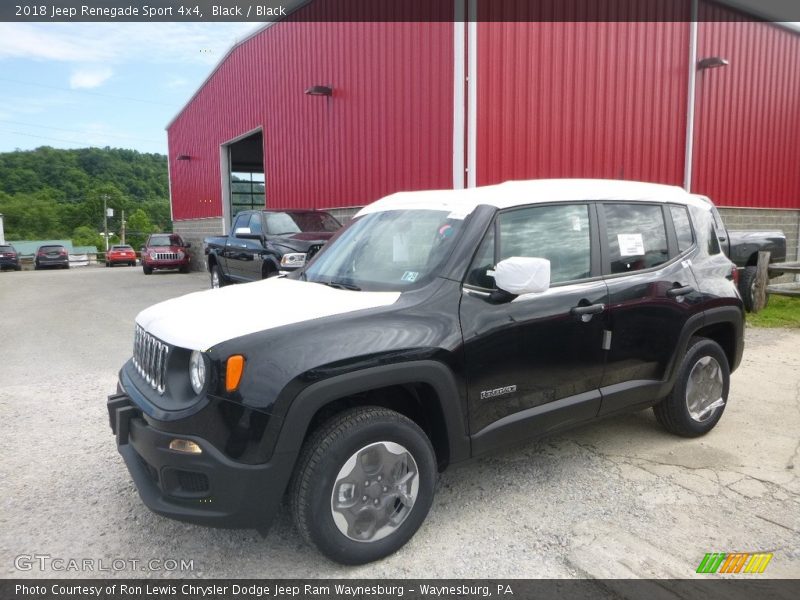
{"x":535,"y":363}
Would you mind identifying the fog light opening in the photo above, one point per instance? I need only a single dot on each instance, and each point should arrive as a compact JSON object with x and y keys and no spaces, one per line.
{"x":187,"y":446}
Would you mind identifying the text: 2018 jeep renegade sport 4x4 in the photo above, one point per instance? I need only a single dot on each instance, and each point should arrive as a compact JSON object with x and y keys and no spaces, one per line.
{"x":435,"y":327}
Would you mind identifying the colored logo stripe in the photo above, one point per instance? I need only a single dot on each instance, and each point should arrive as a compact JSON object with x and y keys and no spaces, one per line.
{"x":735,"y":562}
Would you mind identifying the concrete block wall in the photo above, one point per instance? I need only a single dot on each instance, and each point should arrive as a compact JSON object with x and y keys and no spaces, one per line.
{"x":193,"y":231}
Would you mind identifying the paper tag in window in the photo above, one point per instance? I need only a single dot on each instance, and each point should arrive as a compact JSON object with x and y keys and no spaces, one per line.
{"x":630,"y":244}
{"x":400,"y":249}
{"x":576,"y":223}
{"x":458,"y":214}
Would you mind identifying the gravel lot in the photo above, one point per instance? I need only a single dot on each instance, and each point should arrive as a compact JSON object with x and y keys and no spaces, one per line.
{"x":616,"y":499}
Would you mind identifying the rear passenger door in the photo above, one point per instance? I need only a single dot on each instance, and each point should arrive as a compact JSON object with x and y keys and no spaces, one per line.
{"x":646,"y":261}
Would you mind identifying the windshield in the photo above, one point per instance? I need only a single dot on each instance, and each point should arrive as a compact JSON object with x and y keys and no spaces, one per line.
{"x":390,"y":250}
{"x":281,"y":223}
{"x":165,"y":240}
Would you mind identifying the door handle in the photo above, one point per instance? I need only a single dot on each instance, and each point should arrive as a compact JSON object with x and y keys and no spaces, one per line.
{"x":680,"y":291}
{"x":587,"y":311}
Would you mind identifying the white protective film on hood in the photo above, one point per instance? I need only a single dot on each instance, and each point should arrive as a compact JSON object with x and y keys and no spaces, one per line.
{"x":201,"y":320}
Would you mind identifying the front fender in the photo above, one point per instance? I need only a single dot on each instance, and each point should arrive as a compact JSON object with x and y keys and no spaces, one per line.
{"x":300,"y":412}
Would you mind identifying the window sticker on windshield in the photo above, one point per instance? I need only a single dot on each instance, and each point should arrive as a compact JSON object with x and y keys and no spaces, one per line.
{"x":400,"y":248}
{"x":410,"y":276}
{"x":458,"y":215}
{"x":630,"y":244}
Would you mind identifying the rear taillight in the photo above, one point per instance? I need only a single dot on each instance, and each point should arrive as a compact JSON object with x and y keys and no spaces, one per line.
{"x":735,"y":275}
{"x":63,"y":253}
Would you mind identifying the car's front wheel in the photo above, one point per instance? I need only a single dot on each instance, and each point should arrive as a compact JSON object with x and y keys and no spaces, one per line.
{"x":364,"y":484}
{"x":700,"y":394}
{"x":217,"y":278}
{"x":147,"y":270}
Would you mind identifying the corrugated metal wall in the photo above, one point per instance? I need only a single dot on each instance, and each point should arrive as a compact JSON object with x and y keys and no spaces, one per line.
{"x":387,"y":127}
{"x":582,"y":99}
{"x":747,"y":131}
{"x":554,"y":99}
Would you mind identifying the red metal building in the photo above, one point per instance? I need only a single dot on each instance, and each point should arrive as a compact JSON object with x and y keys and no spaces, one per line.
{"x":333,"y":115}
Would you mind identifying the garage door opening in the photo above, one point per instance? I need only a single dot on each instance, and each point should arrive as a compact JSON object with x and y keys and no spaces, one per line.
{"x":245,"y":185}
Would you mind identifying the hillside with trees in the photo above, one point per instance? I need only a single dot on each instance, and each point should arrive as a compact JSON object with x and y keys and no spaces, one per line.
{"x":50,"y":193}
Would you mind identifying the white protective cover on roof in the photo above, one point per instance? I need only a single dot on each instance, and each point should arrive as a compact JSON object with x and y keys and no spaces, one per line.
{"x":520,"y":193}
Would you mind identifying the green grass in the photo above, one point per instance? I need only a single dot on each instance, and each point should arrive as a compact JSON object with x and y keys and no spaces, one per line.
{"x":782,"y":311}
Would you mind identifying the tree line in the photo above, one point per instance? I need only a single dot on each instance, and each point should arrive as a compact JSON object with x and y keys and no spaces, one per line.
{"x":50,"y":193}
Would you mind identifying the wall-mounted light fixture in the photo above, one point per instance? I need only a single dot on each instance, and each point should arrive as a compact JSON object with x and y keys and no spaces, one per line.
{"x":319,"y":90}
{"x":183,"y":157}
{"x":712,"y":62}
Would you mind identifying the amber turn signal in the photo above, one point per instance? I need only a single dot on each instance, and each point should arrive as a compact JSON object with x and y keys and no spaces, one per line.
{"x":233,"y":372}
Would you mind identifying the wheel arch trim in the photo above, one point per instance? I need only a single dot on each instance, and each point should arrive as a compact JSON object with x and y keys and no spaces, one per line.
{"x":435,"y":374}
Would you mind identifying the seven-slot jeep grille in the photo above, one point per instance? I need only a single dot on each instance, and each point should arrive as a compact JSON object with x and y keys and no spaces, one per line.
{"x":150,"y":359}
{"x":167,"y":256}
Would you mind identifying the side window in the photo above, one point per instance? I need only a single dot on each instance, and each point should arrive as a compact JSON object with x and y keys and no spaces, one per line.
{"x":241,"y":221}
{"x":255,"y":223}
{"x":683,"y":227}
{"x":559,"y":233}
{"x":636,"y":235}
{"x":483,"y":263}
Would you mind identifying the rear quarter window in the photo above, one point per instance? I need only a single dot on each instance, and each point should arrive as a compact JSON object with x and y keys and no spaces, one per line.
{"x":683,"y":227}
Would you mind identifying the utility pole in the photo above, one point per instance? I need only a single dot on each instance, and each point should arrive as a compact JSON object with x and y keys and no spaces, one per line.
{"x":105,"y":219}
{"x":123,"y":226}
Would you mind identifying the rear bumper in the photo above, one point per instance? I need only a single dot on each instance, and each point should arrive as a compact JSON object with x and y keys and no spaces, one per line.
{"x":6,"y":263}
{"x":208,"y":488}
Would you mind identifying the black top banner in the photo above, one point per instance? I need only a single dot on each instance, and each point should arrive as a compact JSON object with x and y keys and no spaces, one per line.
{"x":397,"y":10}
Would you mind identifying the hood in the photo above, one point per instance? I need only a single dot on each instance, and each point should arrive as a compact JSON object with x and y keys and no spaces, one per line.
{"x":204,"y":319}
{"x":308,"y":236}
{"x":163,"y":248}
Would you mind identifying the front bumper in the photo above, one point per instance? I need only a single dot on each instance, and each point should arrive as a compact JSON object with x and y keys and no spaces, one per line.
{"x":208,"y":488}
{"x":166,"y":264}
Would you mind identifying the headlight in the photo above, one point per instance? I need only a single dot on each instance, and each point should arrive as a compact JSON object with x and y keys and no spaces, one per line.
{"x":197,"y":371}
{"x":180,"y":254}
{"x":295,"y":259}
{"x":153,"y":254}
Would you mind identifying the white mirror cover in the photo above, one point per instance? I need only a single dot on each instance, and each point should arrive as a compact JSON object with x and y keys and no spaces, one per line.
{"x":523,"y":275}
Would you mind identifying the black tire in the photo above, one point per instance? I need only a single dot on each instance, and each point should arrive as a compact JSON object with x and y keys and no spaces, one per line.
{"x":108,"y":264}
{"x":673,"y":412}
{"x":18,"y":268}
{"x":747,"y":282}
{"x":267,"y":271}
{"x":132,"y":264}
{"x":184,"y":269}
{"x":215,"y":271}
{"x":323,"y":456}
{"x":147,"y":270}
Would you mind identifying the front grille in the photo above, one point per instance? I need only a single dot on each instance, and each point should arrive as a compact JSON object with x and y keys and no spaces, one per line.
{"x":167,"y":256}
{"x":150,"y":359}
{"x":312,"y":250}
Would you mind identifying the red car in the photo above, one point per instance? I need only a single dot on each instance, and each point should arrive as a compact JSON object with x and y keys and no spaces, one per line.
{"x":121,"y":255}
{"x":165,"y":251}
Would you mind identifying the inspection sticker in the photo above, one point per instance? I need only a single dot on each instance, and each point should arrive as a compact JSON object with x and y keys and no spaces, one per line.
{"x":630,"y":244}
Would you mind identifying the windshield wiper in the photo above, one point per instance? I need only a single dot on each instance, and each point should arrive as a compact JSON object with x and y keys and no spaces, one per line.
{"x":341,"y":285}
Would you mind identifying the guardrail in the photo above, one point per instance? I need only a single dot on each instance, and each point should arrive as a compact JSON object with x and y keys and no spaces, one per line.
{"x":762,"y":286}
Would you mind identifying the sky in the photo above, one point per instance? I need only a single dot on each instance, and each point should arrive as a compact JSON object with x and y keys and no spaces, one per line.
{"x":72,"y":85}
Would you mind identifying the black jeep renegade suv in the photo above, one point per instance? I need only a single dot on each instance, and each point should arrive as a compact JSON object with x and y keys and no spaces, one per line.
{"x":435,"y":327}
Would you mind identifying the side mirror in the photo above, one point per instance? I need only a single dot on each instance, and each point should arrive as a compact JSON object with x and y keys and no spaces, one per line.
{"x":245,"y":234}
{"x":520,"y":275}
{"x":187,"y":245}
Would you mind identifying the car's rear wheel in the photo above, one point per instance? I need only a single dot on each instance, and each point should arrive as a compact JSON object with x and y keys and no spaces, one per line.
{"x":700,"y":394}
{"x":747,"y":288}
{"x":363,"y":485}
